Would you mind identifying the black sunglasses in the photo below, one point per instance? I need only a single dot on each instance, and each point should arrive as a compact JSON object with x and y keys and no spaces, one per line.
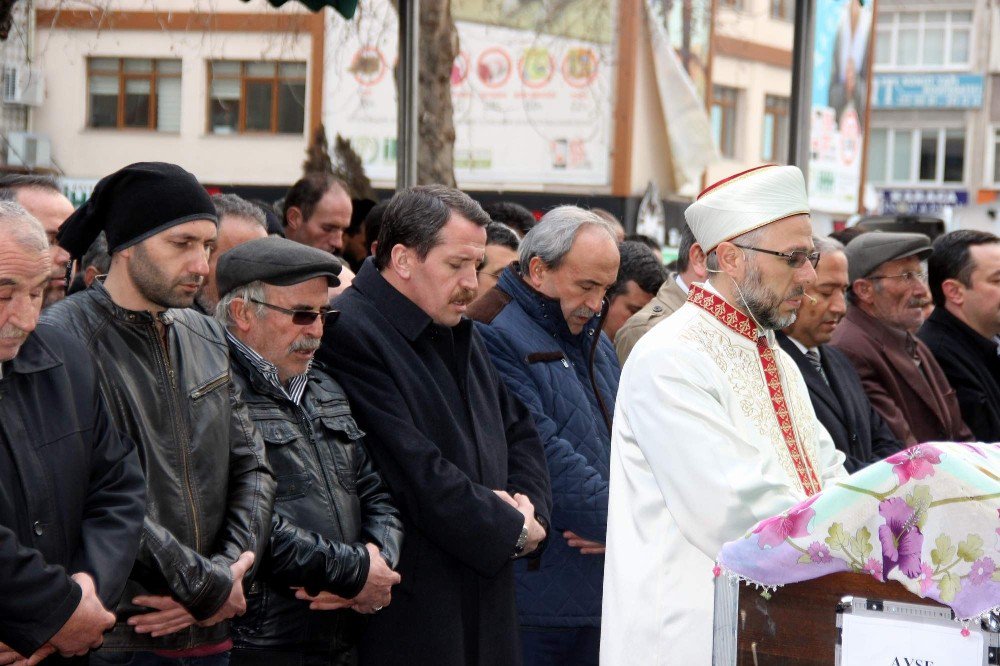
{"x":302,"y":317}
{"x":796,"y":259}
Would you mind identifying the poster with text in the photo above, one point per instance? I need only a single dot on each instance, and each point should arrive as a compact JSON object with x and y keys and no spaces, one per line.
{"x":843,"y":30}
{"x":532,"y":88}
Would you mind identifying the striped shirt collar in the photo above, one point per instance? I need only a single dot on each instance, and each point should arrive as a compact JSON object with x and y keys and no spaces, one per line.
{"x":296,"y":385}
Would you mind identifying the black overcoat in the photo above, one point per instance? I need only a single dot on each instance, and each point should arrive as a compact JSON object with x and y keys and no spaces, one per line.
{"x":72,"y":494}
{"x":444,"y":433}
{"x":843,"y":408}
{"x":972,"y":367}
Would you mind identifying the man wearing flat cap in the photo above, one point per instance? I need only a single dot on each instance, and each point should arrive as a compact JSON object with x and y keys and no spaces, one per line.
{"x":886,"y":300}
{"x":335,"y":534}
{"x":713,"y":428}
{"x":164,"y":371}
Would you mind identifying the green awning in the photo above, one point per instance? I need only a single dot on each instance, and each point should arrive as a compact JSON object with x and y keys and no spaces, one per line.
{"x":345,"y":8}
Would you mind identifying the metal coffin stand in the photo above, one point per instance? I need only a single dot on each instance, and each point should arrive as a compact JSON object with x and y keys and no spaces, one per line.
{"x":798,"y":625}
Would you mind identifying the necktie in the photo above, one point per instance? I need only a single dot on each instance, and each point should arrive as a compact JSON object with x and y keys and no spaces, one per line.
{"x":813,"y":356}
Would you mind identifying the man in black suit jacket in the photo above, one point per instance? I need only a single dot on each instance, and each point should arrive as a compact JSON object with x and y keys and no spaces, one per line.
{"x":834,"y":386}
{"x":961,"y":332}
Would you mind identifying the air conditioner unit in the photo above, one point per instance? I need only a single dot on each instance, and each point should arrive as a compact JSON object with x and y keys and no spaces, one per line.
{"x":23,"y":85}
{"x":33,"y":151}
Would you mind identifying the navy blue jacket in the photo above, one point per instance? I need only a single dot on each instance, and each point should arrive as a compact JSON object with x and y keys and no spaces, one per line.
{"x":569,"y":384}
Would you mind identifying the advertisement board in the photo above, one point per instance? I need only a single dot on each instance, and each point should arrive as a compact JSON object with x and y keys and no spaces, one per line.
{"x":927,"y":91}
{"x":533,"y":93}
{"x":839,"y":98}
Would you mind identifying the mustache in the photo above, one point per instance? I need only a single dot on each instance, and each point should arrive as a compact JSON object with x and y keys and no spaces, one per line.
{"x":918,"y":302}
{"x":12,"y":332}
{"x":584,"y":312}
{"x":305,"y":344}
{"x":463,"y":296}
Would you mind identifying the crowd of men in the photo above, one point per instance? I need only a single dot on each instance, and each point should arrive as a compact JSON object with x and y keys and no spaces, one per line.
{"x":424,"y":431}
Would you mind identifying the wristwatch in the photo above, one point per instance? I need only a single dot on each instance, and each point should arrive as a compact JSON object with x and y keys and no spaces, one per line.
{"x":521,"y":541}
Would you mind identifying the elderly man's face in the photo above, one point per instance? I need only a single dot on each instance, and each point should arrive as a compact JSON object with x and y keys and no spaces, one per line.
{"x":24,"y":275}
{"x":899,"y":293}
{"x":51,"y":209}
{"x":583,"y":277}
{"x":772,"y":288}
{"x":825,"y":303}
{"x":276,"y":337}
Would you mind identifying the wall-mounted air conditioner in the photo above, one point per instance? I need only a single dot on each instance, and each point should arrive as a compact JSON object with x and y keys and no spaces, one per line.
{"x":25,"y":149}
{"x":22,"y":84}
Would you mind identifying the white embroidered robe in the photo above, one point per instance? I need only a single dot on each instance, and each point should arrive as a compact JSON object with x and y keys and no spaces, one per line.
{"x":712,"y":433}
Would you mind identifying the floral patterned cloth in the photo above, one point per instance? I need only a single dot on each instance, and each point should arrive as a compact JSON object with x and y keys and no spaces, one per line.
{"x":927,"y":517}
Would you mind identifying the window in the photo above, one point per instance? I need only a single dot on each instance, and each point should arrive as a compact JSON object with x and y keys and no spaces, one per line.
{"x":267,"y":97}
{"x":994,"y":154}
{"x":774,"y":143}
{"x":922,"y":40}
{"x":134,"y":93}
{"x":782,"y":9}
{"x":934,"y":156}
{"x":724,"y":107}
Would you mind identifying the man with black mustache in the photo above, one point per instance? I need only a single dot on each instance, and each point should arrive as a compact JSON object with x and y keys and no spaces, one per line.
{"x":834,"y":386}
{"x":459,"y":453}
{"x":887,"y":295}
{"x":335,"y":533}
{"x":542,"y":326}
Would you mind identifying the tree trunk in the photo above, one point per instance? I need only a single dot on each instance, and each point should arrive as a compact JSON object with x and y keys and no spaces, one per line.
{"x":435,"y":115}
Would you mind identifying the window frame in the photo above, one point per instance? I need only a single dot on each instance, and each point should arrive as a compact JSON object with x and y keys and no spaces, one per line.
{"x":123,"y":77}
{"x":788,"y":12}
{"x":782,"y":110}
{"x":993,"y":132}
{"x":917,"y":134}
{"x":276,"y":81}
{"x":891,"y":32}
{"x":734,"y":108}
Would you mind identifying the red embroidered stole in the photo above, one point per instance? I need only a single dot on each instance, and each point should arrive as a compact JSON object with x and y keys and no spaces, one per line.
{"x":744,"y":326}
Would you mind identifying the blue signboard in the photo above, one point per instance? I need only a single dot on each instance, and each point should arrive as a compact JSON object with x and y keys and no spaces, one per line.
{"x":921,"y":202}
{"x":928,"y":91}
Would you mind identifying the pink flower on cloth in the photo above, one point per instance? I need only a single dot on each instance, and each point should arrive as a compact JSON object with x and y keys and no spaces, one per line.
{"x":982,"y":570}
{"x":819,"y":553}
{"x":874,"y":567}
{"x":916,"y":462}
{"x":900,"y":537}
{"x":792,"y":523}
{"x":926,"y":578}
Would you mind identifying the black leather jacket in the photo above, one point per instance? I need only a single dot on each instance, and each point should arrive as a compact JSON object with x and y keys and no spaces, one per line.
{"x":209,"y":488}
{"x":329,"y":502}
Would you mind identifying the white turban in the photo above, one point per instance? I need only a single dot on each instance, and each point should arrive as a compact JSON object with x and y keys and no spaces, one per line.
{"x":746,"y":201}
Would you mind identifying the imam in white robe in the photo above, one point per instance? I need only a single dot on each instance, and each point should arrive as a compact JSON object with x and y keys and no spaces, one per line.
{"x":713,"y":432}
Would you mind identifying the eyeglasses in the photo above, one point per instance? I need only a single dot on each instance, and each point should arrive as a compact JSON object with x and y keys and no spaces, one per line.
{"x":796,"y":259}
{"x":908,"y":277}
{"x":302,"y":317}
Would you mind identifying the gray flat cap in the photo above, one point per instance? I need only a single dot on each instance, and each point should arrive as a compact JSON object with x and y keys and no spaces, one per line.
{"x":274,"y":260}
{"x":872,"y":249}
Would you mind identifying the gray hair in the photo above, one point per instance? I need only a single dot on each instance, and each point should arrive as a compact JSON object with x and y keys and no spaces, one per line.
{"x":253,"y":291}
{"x":827,"y":245}
{"x":22,"y":227}
{"x":749,"y":238}
{"x":551,"y":239}
{"x":235,"y":206}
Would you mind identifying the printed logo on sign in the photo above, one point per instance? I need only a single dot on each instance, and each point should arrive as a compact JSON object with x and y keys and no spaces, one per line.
{"x":368,"y":66}
{"x":579,"y":67}
{"x":536,"y":67}
{"x":906,"y":661}
{"x":493,"y":67}
{"x":460,"y":69}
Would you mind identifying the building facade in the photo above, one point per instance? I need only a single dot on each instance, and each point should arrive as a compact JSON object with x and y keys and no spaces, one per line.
{"x":229,"y":92}
{"x":935,"y":119}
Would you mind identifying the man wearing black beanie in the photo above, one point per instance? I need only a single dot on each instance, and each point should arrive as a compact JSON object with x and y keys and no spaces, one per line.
{"x":164,"y":370}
